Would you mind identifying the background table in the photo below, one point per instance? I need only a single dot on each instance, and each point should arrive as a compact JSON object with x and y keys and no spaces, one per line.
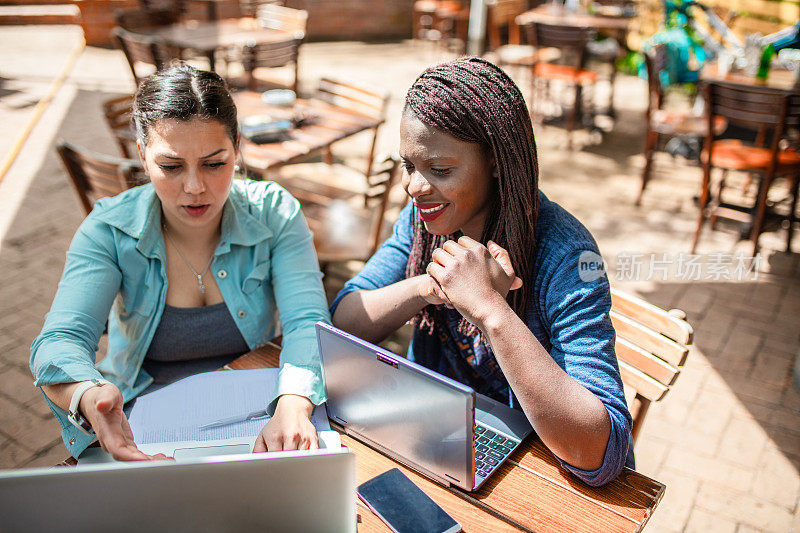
{"x":325,"y":125}
{"x":545,"y":14}
{"x":777,"y":78}
{"x":531,"y":491}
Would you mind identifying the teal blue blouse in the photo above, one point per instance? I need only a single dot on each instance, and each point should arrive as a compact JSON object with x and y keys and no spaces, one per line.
{"x":264,"y":265}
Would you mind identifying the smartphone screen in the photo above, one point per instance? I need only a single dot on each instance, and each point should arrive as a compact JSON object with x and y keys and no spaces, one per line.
{"x":403,"y":505}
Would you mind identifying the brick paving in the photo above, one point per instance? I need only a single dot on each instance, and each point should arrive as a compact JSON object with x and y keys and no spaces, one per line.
{"x":725,"y":441}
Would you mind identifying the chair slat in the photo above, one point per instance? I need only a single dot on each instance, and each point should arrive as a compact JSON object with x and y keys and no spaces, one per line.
{"x":654,"y":317}
{"x":642,"y":383}
{"x":648,"y":363}
{"x":655,"y":343}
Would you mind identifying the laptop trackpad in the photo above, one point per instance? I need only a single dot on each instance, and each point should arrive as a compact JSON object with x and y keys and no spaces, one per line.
{"x":208,"y":451}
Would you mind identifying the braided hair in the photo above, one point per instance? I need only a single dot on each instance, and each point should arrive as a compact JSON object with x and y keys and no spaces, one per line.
{"x":475,"y":101}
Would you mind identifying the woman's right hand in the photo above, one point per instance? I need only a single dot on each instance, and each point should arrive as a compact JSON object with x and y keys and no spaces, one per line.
{"x":429,"y":290}
{"x":102,"y":407}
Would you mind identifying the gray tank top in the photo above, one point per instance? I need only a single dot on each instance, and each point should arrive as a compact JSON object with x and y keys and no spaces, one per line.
{"x":190,"y":340}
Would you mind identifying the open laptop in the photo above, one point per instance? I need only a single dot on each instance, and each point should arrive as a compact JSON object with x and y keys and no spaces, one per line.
{"x":430,"y":423}
{"x":281,"y":491}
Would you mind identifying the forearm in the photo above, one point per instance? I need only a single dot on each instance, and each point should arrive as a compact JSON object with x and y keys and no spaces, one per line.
{"x":374,"y":315}
{"x":569,"y":419}
{"x":60,"y":393}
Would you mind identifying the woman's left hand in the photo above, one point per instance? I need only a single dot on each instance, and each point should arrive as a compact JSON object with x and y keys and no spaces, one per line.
{"x":290,"y":428}
{"x":472,"y":277}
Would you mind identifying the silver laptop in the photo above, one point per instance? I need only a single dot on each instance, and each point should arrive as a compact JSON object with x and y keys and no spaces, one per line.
{"x":279,"y":491}
{"x":433,"y":424}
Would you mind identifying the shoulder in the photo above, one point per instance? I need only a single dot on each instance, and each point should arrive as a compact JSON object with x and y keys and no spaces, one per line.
{"x":264,"y":199}
{"x":128,"y":212}
{"x":559,"y":235}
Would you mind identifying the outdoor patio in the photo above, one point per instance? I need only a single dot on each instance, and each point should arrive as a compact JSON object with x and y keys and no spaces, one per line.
{"x":726,"y":439}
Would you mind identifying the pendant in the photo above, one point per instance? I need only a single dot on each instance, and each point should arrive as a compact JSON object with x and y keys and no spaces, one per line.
{"x":200,"y":284}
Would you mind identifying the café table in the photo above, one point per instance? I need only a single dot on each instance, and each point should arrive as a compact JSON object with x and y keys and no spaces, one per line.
{"x":531,"y":491}
{"x":322,"y":124}
{"x":207,"y":37}
{"x":557,"y":15}
{"x":777,"y":78}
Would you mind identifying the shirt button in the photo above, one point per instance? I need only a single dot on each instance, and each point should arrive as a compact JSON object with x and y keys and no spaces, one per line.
{"x":222,"y":274}
{"x":241,"y":314}
{"x":72,"y":440}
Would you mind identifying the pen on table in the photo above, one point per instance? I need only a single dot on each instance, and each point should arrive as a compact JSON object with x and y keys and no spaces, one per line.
{"x":255,"y":415}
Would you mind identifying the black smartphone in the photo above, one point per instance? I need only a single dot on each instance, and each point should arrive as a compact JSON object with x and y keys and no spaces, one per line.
{"x":403,"y":506}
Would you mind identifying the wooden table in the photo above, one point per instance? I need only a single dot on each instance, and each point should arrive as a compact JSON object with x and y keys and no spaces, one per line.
{"x":209,"y":36}
{"x":326,"y":124}
{"x":777,"y":78}
{"x":531,"y":492}
{"x":547,"y":14}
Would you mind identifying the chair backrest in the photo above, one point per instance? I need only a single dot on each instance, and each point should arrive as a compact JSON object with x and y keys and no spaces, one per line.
{"x":654,"y":62}
{"x":761,"y":108}
{"x":141,"y":49}
{"x":96,"y":175}
{"x":358,"y":98}
{"x":651,"y":346}
{"x":270,"y":55}
{"x":343,"y":232}
{"x":277,"y":17}
{"x":570,"y":39}
{"x":118,"y":117}
{"x":503,"y":14}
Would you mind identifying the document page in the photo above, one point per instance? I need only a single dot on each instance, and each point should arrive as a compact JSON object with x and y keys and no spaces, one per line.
{"x":176,"y":412}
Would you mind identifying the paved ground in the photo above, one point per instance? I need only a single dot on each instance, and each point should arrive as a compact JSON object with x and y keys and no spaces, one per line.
{"x":726,"y":440}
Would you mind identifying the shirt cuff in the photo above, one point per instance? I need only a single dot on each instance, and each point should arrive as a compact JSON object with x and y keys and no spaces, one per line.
{"x":300,"y":381}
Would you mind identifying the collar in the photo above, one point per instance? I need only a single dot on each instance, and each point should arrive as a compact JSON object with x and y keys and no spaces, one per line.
{"x":137,"y":213}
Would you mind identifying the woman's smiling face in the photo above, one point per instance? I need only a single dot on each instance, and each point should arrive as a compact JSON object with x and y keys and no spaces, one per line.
{"x":450,"y":180}
{"x":191,"y":165}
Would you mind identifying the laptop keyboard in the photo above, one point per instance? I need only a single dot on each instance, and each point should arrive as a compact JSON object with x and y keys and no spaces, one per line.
{"x":490,"y":450}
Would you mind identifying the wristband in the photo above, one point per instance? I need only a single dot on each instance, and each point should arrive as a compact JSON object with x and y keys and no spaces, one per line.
{"x":74,"y":415}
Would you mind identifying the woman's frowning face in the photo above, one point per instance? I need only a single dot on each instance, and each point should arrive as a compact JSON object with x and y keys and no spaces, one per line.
{"x":191,"y":165}
{"x":450,"y":180}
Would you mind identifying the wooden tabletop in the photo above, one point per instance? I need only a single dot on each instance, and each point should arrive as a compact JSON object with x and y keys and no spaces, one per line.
{"x":531,"y":491}
{"x":548,"y":14}
{"x":325,"y":125}
{"x":777,"y":78}
{"x":213,"y":35}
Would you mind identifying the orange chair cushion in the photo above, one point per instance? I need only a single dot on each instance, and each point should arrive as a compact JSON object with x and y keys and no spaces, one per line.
{"x":733,"y":154}
{"x":564,"y":72}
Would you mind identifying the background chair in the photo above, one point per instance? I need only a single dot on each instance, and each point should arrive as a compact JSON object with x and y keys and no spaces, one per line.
{"x":136,"y":20}
{"x":344,"y":231}
{"x":117,"y":112}
{"x":661,"y":122}
{"x":357,"y":98}
{"x":652,"y":346}
{"x":96,"y":176}
{"x":771,"y":112}
{"x":571,"y":41}
{"x":143,"y":51}
{"x":249,"y":8}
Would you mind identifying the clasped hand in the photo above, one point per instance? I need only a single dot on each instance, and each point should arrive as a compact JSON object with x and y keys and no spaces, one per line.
{"x":470,"y":277}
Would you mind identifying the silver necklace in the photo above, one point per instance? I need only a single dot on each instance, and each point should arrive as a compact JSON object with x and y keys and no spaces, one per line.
{"x":200,"y":285}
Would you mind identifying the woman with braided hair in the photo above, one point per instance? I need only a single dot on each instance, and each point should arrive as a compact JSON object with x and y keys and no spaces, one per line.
{"x":487,"y":269}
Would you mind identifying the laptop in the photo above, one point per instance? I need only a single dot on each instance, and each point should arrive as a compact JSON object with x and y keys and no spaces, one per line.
{"x":422,"y":419}
{"x":282,"y":491}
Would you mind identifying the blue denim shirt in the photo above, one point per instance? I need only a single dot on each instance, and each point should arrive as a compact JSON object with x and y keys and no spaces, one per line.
{"x":568,"y":315}
{"x":264,"y":265}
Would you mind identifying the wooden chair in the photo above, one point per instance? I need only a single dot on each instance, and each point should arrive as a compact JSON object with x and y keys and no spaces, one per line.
{"x":117,"y":112}
{"x":665,"y":123}
{"x":651,"y":346}
{"x":505,"y":37}
{"x":571,"y":41}
{"x":356,"y":98}
{"x":143,"y":50}
{"x":96,"y":176}
{"x":344,"y":231}
{"x":771,"y":112}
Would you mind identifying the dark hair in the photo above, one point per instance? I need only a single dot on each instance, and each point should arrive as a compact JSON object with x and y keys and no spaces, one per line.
{"x":475,"y":101}
{"x":183,"y":92}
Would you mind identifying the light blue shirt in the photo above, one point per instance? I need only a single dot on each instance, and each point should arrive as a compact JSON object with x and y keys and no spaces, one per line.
{"x":264,"y":265}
